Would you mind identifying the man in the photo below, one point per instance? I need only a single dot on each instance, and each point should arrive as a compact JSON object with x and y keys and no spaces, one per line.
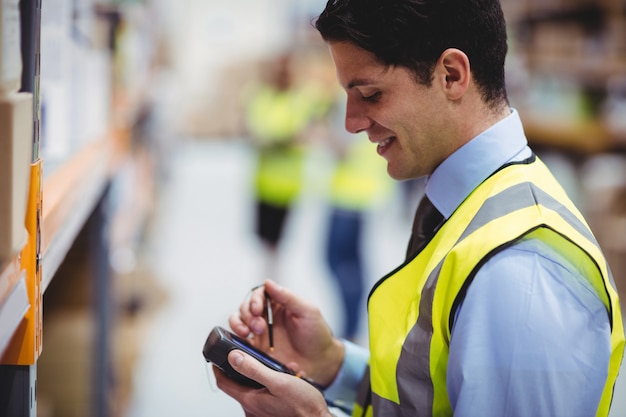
{"x":509,"y":309}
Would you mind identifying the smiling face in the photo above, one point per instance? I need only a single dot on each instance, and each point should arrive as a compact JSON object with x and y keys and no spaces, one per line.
{"x":409,"y":121}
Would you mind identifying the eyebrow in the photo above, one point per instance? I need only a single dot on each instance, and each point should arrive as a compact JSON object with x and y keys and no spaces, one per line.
{"x":358,"y":82}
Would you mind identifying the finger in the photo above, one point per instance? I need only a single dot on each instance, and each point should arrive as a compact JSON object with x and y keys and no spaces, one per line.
{"x":257,"y":325}
{"x":257,"y":301}
{"x":290,"y":300}
{"x":238,"y":326}
{"x":250,"y":317}
{"x":295,"y":367}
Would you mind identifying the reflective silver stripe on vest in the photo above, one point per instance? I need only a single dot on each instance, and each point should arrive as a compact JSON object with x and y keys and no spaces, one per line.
{"x":413,"y":371}
{"x":505,"y":203}
{"x":365,"y":389}
{"x":509,"y":201}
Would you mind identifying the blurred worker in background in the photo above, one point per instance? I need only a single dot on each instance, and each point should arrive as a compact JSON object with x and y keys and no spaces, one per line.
{"x":278,"y":115}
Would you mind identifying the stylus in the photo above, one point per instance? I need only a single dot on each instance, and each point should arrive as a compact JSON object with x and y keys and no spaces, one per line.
{"x":270,"y":320}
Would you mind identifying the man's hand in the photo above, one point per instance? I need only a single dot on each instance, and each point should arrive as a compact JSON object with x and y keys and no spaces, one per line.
{"x":302,"y":338}
{"x":284,"y":395}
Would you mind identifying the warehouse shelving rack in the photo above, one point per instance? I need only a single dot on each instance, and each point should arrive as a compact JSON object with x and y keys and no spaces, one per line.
{"x":73,"y":197}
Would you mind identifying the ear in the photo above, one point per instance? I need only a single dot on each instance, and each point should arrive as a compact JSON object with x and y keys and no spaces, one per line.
{"x":456,"y":69}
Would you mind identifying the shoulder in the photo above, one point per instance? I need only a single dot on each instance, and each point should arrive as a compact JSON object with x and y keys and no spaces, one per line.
{"x":528,"y":320}
{"x":532,"y":275}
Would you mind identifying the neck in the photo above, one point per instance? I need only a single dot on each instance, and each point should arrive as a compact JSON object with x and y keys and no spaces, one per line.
{"x":472,"y":122}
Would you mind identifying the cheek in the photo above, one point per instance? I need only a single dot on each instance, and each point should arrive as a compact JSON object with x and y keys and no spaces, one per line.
{"x":420,"y":148}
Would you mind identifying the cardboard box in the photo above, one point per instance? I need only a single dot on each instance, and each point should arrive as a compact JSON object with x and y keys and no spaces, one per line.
{"x":10,"y":55}
{"x":16,"y":127}
{"x":65,"y":370}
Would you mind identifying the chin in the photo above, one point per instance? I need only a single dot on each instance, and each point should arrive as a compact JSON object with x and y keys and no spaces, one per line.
{"x":397,"y":175}
{"x":402,"y":175}
{"x":396,"y":172}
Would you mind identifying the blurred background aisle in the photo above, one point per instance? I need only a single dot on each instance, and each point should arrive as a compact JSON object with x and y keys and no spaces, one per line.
{"x":203,"y":254}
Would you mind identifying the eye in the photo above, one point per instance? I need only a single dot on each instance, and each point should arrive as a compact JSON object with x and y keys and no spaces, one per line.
{"x":372,"y":98}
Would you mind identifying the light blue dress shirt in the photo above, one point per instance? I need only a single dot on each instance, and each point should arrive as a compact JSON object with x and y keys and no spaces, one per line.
{"x":534,"y":344}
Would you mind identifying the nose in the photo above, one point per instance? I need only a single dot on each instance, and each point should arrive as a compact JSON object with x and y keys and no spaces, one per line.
{"x":356,"y":119}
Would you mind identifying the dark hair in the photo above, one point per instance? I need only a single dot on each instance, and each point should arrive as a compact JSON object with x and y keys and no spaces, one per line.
{"x":414,"y":33}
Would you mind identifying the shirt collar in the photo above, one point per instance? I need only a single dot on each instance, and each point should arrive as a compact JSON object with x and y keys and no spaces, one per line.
{"x":475,"y":161}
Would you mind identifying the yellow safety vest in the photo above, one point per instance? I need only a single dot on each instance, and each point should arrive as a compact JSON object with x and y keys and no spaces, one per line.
{"x":359,"y":179}
{"x":411,"y":309}
{"x":275,"y":119}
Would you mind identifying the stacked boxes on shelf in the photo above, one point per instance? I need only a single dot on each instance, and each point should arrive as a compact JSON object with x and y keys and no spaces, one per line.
{"x":75,"y":80}
{"x":16,"y":115}
{"x":56,"y":82}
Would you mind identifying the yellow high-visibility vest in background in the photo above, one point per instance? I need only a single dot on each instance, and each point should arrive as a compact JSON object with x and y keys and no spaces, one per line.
{"x":360,"y":178}
{"x":275,"y":120}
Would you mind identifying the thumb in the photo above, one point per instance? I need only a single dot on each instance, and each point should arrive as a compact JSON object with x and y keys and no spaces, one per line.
{"x":249,"y":367}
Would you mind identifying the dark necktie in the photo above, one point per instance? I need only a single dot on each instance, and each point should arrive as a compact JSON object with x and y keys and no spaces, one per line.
{"x":427,"y":220}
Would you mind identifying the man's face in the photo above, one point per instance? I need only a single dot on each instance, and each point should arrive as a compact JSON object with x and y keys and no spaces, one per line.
{"x":405,"y":119}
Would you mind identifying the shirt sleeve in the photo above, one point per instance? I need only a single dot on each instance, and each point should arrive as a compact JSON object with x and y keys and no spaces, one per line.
{"x":343,"y":390}
{"x":530,"y":339}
